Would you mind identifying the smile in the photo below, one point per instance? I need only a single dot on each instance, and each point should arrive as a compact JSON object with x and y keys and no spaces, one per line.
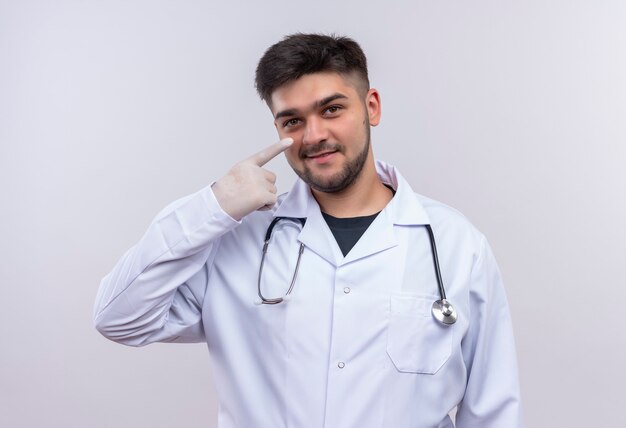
{"x":322,"y":156}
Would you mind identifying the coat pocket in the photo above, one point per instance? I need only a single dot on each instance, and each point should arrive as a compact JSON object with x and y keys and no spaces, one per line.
{"x":416,"y":341}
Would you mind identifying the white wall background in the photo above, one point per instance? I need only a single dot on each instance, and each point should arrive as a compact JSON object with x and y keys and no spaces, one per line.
{"x":513,"y":112}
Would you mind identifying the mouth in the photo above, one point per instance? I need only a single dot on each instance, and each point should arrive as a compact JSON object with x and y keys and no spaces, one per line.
{"x":321,"y":157}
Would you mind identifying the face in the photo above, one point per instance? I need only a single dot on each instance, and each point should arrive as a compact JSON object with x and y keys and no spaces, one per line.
{"x":329,"y":119}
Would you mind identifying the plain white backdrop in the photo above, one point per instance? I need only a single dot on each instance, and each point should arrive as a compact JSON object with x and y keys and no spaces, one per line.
{"x":512,"y":112}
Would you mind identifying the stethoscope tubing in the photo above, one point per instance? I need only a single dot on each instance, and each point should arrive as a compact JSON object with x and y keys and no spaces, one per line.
{"x":442,"y":310}
{"x":433,"y":249}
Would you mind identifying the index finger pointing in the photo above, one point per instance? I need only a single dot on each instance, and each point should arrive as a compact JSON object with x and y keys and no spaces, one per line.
{"x":269,"y":153}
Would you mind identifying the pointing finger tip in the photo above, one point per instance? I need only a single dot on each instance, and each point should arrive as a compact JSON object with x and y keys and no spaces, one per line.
{"x":287,"y":141}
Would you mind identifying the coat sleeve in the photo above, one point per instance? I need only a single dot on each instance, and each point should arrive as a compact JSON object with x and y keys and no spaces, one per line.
{"x":492,"y":395}
{"x":155,"y":291}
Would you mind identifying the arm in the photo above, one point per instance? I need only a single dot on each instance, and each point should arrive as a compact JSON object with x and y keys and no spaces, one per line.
{"x":492,"y":395}
{"x":155,"y":292}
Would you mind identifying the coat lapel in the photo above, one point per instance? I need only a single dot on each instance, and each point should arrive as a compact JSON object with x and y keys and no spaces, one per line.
{"x":315,"y":235}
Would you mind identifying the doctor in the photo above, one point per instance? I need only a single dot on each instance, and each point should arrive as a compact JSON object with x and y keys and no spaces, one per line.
{"x":336,"y":329}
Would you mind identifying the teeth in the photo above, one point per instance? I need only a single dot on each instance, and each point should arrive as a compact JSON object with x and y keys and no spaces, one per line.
{"x":321,"y":154}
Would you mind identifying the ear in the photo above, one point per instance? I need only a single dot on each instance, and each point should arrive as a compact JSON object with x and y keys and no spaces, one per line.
{"x":372,"y":103}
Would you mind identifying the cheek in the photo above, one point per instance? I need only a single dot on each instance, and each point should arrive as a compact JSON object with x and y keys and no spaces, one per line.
{"x":292,"y":152}
{"x":295,"y":134}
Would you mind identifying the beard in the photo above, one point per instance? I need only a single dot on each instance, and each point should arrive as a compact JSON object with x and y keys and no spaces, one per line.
{"x":342,"y":179}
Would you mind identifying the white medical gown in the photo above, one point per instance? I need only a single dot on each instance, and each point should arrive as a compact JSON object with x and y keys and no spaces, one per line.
{"x":356,"y":346}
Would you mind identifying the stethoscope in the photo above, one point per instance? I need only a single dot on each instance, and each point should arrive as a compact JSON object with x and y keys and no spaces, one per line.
{"x":442,"y":310}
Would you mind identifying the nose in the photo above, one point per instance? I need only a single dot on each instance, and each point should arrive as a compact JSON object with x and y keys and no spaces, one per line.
{"x":315,"y":131}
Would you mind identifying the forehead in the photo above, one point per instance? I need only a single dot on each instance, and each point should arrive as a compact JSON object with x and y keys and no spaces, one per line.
{"x":301,"y":93}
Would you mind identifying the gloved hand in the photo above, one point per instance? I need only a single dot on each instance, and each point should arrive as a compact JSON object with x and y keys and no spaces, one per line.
{"x":247,"y":186}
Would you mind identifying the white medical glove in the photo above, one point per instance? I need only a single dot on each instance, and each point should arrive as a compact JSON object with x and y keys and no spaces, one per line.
{"x":248,"y":187}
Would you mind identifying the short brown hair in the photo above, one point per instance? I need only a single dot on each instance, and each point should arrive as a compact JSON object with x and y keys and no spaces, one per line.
{"x":299,"y":54}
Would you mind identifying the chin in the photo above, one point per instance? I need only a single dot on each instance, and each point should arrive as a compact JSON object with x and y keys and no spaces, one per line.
{"x":329,"y":183}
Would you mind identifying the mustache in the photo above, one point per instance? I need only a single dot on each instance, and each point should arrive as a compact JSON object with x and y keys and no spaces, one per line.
{"x":312,"y":150}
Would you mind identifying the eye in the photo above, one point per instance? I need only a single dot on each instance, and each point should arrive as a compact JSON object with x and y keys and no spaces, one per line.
{"x":290,"y":122}
{"x":334,"y":109}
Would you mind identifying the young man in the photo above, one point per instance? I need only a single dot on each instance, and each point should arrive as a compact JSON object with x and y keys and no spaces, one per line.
{"x":339,"y":321}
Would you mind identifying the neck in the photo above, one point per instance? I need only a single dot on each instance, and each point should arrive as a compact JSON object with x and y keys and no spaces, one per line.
{"x":366,"y":196}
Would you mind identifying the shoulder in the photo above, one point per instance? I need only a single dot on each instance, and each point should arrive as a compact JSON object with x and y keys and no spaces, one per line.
{"x":440,"y":212}
{"x":451,"y":226}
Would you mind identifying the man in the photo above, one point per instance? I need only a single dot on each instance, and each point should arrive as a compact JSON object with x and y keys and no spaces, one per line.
{"x":333,"y":326}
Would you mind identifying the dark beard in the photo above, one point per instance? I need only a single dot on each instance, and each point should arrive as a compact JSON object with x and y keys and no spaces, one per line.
{"x":342,"y":179}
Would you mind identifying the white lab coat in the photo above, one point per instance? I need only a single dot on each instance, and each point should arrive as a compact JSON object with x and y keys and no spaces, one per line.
{"x":356,"y":345}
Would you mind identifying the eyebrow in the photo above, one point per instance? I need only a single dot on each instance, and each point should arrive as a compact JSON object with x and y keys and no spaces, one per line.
{"x":316,"y":104}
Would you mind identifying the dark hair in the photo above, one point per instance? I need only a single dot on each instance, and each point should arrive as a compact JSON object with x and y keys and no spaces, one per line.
{"x":299,"y":54}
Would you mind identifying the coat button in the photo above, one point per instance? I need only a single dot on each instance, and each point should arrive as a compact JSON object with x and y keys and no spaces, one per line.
{"x":341,"y":364}
{"x":346,"y":290}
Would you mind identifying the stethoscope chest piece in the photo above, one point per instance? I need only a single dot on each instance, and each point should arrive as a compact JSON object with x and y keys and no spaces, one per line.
{"x":444,"y":312}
